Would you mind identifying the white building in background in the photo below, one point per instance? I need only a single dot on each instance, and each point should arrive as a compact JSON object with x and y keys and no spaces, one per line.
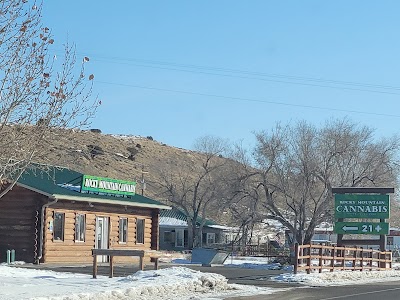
{"x":324,"y":234}
{"x":393,"y":241}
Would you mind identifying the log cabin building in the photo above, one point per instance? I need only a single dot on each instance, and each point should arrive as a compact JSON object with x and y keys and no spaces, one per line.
{"x":58,"y":215}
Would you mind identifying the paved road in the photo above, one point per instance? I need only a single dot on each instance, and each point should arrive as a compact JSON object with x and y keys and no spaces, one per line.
{"x":376,"y":291}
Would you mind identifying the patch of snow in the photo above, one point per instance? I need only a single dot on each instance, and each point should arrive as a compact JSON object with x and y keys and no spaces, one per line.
{"x":325,"y":278}
{"x":127,"y":137}
{"x":170,"y":257}
{"x":261,"y":263}
{"x":339,"y":277}
{"x":175,"y":282}
{"x":76,"y":188}
{"x":120,"y":155}
{"x":15,"y":263}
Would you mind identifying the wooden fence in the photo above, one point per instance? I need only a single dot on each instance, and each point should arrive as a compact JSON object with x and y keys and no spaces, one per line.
{"x":320,"y":257}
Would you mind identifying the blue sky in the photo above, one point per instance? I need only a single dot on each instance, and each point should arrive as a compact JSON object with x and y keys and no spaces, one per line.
{"x":179,"y":70}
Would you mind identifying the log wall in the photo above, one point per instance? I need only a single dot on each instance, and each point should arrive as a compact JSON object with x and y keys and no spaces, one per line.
{"x":70,"y":250}
{"x":20,"y":211}
{"x":155,"y":230}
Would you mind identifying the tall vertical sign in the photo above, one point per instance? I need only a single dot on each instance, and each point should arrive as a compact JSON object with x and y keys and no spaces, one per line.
{"x":362,"y":211}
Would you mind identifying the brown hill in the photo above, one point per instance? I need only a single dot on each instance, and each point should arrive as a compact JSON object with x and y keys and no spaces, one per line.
{"x":120,"y":157}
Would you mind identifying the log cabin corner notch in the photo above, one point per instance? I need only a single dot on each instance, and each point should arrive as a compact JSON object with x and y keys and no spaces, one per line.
{"x":46,"y":218}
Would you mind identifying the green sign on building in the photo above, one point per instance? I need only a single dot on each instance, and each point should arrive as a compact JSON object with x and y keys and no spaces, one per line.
{"x":103,"y":185}
{"x":362,"y":206}
{"x":361,"y":228}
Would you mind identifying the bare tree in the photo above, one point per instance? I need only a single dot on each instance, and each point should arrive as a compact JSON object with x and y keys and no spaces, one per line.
{"x":195,"y":189}
{"x":39,"y":94}
{"x":243,"y":200}
{"x":296,"y":167}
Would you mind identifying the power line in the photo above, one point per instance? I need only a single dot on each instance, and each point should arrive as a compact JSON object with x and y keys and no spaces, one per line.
{"x":195,"y":69}
{"x":269,"y":80}
{"x":247,"y":99}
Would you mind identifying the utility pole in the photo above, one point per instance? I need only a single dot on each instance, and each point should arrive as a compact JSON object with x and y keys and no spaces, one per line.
{"x":142,"y":181}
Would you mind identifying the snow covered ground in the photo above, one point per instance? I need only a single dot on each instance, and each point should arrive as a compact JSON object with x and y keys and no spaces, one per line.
{"x":339,"y":277}
{"x":18,"y":283}
{"x":261,"y":263}
{"x":174,"y":282}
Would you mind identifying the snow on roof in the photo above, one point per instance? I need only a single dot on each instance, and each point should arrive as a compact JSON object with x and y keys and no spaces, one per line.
{"x":222,"y":227}
{"x":324,"y":226}
{"x":167,"y":216}
{"x":324,"y":229}
{"x":76,"y":188}
{"x":167,"y":221}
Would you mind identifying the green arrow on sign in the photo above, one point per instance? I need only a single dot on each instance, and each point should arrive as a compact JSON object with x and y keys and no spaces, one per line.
{"x":378,"y":228}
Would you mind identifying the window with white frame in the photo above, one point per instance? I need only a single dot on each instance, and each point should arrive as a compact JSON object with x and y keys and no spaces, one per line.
{"x":210,"y":238}
{"x":80,"y":227}
{"x":140,"y":231}
{"x":58,"y":226}
{"x":123,"y":230}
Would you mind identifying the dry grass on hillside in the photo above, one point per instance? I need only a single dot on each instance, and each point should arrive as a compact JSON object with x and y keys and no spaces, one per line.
{"x":117,"y":156}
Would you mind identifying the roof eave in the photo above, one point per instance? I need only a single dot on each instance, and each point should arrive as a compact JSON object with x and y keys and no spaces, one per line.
{"x":108,"y":201}
{"x":94,"y":199}
{"x":34,"y":190}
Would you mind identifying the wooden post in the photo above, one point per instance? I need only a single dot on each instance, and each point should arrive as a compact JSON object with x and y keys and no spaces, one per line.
{"x":344,"y":258}
{"x":320,"y":259}
{"x":333,"y":258}
{"x":371,"y":256}
{"x":141,"y":264}
{"x":362,"y":259}
{"x":156,"y":263}
{"x":111,"y":266}
{"x":309,"y":260}
{"x":355,"y":258}
{"x":296,"y":257}
{"x":380,"y":260}
{"x":94,"y":266}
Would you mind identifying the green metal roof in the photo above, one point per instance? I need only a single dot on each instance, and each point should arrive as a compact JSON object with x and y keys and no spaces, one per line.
{"x":63,"y":183}
{"x":177,"y":214}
